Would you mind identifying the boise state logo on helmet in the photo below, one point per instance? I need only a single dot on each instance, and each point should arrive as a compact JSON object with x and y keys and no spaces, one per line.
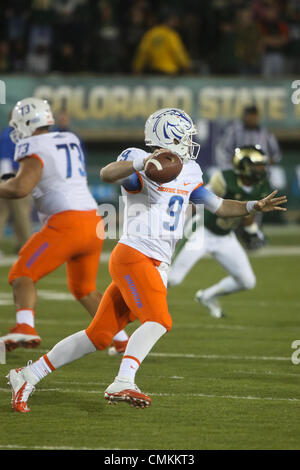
{"x":172,"y":128}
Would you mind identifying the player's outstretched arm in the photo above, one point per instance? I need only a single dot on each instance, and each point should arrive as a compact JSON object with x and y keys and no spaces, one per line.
{"x":29,"y":174}
{"x":231,"y":208}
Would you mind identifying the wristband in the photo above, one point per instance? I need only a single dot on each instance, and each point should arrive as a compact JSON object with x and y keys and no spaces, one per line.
{"x":138,"y":165}
{"x":250,"y":206}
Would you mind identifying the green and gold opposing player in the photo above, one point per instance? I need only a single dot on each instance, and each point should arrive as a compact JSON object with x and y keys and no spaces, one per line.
{"x":248,"y":180}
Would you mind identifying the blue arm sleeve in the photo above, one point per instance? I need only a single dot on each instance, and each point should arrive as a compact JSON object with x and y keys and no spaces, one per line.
{"x":133,"y":183}
{"x":201,"y":195}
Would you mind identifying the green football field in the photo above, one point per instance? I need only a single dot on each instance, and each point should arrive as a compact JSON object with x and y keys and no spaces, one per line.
{"x":215,"y":384}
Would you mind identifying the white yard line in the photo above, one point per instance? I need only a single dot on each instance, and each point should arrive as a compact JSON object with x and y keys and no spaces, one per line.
{"x":155,"y":394}
{"x":173,"y":377}
{"x":222,"y":357}
{"x":263,"y":303}
{"x":266,"y":372}
{"x":240,"y":303}
{"x":14,"y":446}
{"x":6,"y":298}
{"x":7,"y":260}
{"x":233,"y":397}
{"x":54,"y":295}
{"x":291,"y":229}
{"x":86,"y":320}
{"x":275,"y":250}
{"x":192,"y":326}
{"x":192,"y":356}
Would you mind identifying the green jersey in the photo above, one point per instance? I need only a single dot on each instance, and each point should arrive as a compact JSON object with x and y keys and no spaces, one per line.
{"x":228,"y":185}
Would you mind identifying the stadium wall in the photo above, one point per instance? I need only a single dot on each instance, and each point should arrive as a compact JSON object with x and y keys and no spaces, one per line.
{"x":109,"y":113}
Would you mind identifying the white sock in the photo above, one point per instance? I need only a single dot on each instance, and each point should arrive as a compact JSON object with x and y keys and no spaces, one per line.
{"x":25,"y":316}
{"x":139,"y":345}
{"x":228,"y":285}
{"x":37,"y":371}
{"x":70,"y":349}
{"x":121,"y":336}
{"x":128,"y":368}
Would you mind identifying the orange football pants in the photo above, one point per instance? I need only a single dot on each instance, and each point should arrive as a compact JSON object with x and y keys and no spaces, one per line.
{"x":68,"y":237}
{"x":136,"y":292}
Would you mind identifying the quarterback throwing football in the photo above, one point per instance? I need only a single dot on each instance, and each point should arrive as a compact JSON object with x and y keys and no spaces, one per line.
{"x":154,"y":216}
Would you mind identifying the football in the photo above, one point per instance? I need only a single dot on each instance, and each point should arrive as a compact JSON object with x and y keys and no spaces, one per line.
{"x":163,"y":167}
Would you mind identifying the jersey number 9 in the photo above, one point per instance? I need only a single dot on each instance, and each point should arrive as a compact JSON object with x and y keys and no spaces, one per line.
{"x":174,"y":210}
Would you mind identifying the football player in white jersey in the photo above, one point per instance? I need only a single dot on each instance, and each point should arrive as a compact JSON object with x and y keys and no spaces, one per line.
{"x":52,"y":168}
{"x":154,"y":217}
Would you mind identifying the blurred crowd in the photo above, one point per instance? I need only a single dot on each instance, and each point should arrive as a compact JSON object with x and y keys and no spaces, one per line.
{"x":235,"y":37}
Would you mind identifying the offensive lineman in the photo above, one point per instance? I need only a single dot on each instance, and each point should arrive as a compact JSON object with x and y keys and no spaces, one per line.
{"x":154,"y":218}
{"x":52,"y":168}
{"x":247,"y":180}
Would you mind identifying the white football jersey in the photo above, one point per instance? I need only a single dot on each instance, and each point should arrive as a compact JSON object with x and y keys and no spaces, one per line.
{"x":154,"y":214}
{"x":63,"y":185}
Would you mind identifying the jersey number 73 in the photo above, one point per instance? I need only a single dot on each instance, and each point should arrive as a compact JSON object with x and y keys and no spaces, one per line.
{"x":70,"y":150}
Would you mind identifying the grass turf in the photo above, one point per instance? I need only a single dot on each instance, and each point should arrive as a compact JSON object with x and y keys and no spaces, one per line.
{"x":215,"y":384}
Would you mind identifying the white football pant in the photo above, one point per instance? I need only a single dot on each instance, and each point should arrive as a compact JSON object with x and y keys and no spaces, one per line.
{"x":227,"y":250}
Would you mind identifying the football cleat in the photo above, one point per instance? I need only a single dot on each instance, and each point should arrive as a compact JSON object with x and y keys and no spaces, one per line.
{"x":21,"y":390}
{"x":21,"y":335}
{"x":127,"y":392}
{"x":118,"y":347}
{"x":212,"y":304}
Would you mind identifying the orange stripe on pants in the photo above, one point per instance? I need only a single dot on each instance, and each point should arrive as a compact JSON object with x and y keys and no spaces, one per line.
{"x":137,"y":292}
